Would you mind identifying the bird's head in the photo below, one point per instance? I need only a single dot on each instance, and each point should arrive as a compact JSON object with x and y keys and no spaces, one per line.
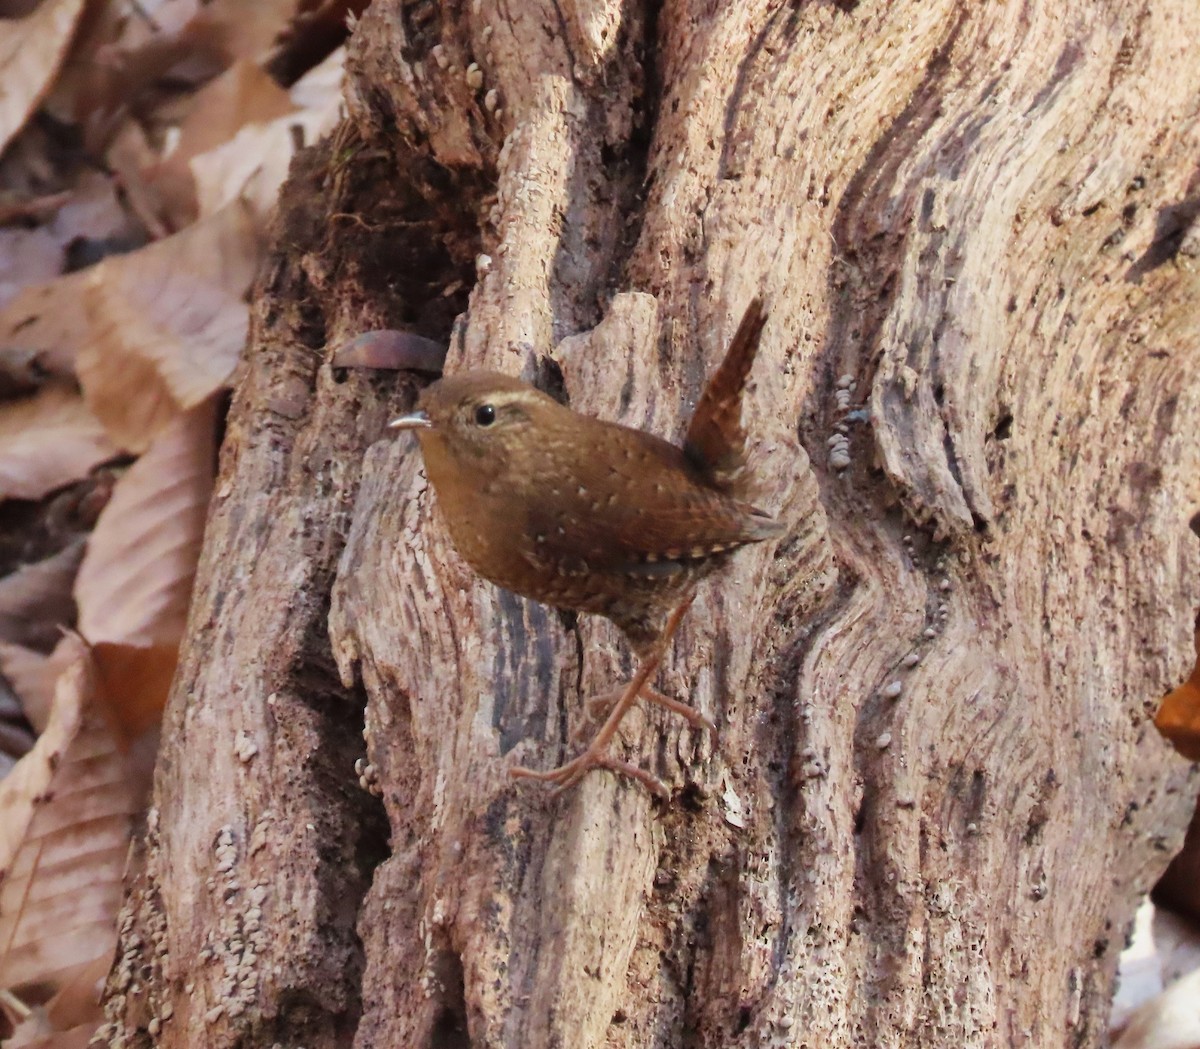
{"x":478,"y":419}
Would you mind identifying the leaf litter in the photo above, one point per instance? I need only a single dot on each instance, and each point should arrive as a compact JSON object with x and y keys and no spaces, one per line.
{"x":48,"y":441}
{"x":169,"y":321}
{"x":142,"y":146}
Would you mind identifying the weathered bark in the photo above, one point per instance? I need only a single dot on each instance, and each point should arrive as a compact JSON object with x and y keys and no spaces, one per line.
{"x":937,"y":793}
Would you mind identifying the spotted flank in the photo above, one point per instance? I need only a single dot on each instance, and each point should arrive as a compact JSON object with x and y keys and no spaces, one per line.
{"x":669,"y":564}
{"x":694,"y":553}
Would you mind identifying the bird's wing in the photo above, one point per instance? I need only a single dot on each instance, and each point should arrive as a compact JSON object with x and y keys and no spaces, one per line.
{"x":648,"y":519}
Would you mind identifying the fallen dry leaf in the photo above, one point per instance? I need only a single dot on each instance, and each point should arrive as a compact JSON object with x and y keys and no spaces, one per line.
{"x":35,"y":600}
{"x":31,"y":50}
{"x":32,"y":1035}
{"x":48,"y":441}
{"x":66,"y":811}
{"x":14,"y":208}
{"x":1169,"y":1021}
{"x":1179,"y":886}
{"x":27,"y":256}
{"x":139,"y":62}
{"x":42,"y":328}
{"x":134,"y":681}
{"x":158,"y":18}
{"x":245,"y":30}
{"x":70,"y":1018}
{"x":16,"y":738}
{"x":249,"y":29}
{"x":124,"y":74}
{"x":244,"y":94}
{"x":130,"y":155}
{"x":32,"y":676}
{"x":316,"y":26}
{"x":168,"y":325}
{"x":92,"y":220}
{"x":254,"y":162}
{"x":241,"y":95}
{"x":136,"y":578}
{"x":96,"y":31}
{"x":80,"y":226}
{"x":77,"y":1001}
{"x":137,"y":677}
{"x":1178,"y":717}
{"x":322,"y":84}
{"x":8,"y":758}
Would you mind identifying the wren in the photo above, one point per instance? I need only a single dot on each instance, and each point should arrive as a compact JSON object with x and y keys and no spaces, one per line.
{"x":593,"y":516}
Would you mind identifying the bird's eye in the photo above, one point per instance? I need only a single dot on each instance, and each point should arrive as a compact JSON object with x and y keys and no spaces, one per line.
{"x":485,"y":414}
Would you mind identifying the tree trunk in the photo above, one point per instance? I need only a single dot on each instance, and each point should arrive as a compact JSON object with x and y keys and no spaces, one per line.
{"x":937,"y":793}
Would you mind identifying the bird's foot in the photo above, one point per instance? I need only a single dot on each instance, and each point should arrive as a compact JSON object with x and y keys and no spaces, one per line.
{"x":566,"y":776}
{"x":598,"y":708}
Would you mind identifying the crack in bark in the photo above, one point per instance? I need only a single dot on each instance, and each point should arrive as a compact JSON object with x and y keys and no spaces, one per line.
{"x":858,"y":318}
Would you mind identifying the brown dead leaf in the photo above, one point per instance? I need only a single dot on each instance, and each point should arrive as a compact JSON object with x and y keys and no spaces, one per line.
{"x":13,"y":745}
{"x":253,"y":163}
{"x":75,"y":1038}
{"x":156,"y":19}
{"x":124,"y":77}
{"x":1169,"y":1021}
{"x":77,"y":1001}
{"x":48,"y":441}
{"x":32,"y":676}
{"x":1178,"y":718}
{"x":134,"y":680}
{"x":13,"y":208}
{"x":98,"y":28}
{"x":134,"y":683}
{"x":136,"y":578}
{"x":141,"y":61}
{"x":70,"y":1018}
{"x":317,"y":26}
{"x":16,"y":738}
{"x":35,"y":600}
{"x":27,"y":256}
{"x":130,"y":156}
{"x":41,"y":331}
{"x":93,"y":214}
{"x":80,"y":225}
{"x":250,"y":29}
{"x":66,"y":812}
{"x":242,"y":95}
{"x":169,"y":322}
{"x":31,"y":50}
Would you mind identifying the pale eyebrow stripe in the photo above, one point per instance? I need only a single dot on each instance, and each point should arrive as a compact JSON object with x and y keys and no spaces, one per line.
{"x":501,"y":398}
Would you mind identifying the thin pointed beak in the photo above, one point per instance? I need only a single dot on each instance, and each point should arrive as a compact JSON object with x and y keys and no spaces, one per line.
{"x":411,"y":421}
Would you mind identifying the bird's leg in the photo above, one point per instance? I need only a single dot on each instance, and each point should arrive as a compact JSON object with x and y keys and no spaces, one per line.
{"x":596,"y":754}
{"x":599,"y":706}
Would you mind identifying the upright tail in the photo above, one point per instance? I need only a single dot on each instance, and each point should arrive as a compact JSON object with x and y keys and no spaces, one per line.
{"x":716,"y":438}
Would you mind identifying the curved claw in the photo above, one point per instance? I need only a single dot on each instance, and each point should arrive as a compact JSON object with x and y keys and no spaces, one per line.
{"x":596,"y":754}
{"x":597,"y":709}
{"x":555,"y":775}
{"x":684,"y":710}
{"x":567,"y":775}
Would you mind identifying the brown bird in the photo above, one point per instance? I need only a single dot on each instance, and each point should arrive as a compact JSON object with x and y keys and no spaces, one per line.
{"x":589,"y":515}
